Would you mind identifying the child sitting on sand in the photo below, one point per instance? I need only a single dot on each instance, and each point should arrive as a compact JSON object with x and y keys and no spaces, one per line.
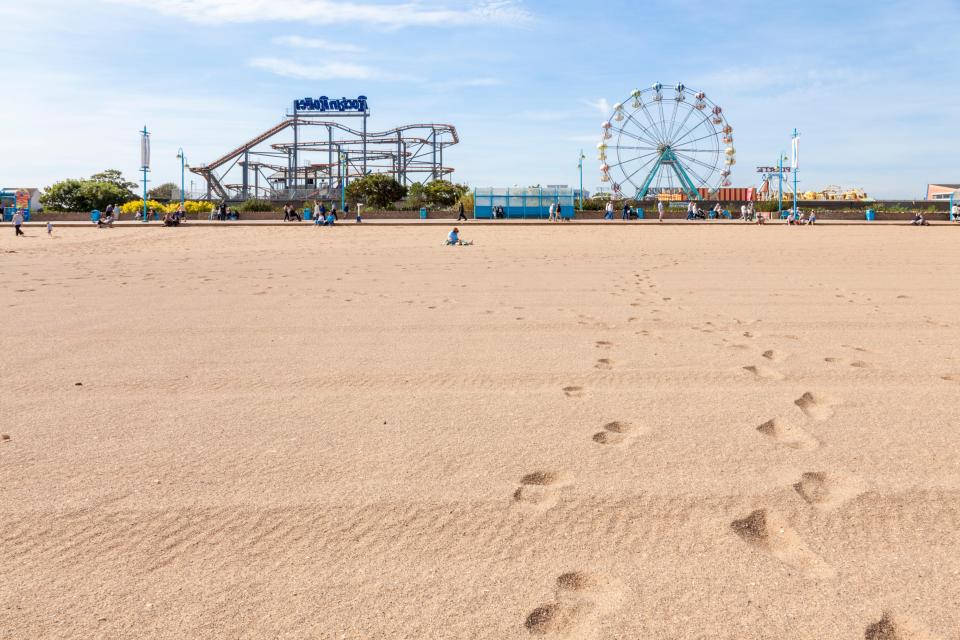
{"x":453,"y":238}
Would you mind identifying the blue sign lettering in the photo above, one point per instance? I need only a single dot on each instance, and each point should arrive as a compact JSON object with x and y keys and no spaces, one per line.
{"x":324,"y":103}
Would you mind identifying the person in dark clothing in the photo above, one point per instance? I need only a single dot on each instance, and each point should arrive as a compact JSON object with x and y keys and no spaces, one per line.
{"x":461,"y":215}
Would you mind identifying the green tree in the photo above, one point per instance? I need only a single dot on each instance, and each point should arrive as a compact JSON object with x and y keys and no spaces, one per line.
{"x":416,"y":196}
{"x":65,"y":195}
{"x":377,"y":190}
{"x":102,"y":189}
{"x":442,"y":193}
{"x":164,"y":192}
{"x":114,"y":177}
{"x":97,"y":195}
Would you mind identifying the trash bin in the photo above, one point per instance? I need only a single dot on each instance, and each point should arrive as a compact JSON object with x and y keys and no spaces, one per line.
{"x":307,"y":214}
{"x":639,"y":213}
{"x":95,"y":216}
{"x":871,"y":215}
{"x":423,"y":213}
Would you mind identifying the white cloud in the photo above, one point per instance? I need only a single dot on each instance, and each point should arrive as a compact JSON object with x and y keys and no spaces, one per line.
{"x":326,"y":12}
{"x":602,"y":106}
{"x":299,"y":42}
{"x":325,"y":70}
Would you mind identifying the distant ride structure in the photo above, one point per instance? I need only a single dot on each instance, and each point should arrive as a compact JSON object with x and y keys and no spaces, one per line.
{"x":319,"y":146}
{"x":666,"y":142}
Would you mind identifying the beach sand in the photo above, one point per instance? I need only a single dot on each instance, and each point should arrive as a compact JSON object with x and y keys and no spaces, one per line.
{"x":578,"y":432}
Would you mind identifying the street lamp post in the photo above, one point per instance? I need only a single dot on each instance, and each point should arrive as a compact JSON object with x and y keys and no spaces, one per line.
{"x":780,"y":189}
{"x":580,"y":166}
{"x":183,"y":165}
{"x":795,"y":144}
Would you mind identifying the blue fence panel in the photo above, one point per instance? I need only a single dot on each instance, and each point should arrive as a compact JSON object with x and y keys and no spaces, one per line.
{"x":533,"y":202}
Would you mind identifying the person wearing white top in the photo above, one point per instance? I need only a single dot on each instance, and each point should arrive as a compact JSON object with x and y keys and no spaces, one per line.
{"x":660,"y":211}
{"x":17,"y":221}
{"x":553,"y":212}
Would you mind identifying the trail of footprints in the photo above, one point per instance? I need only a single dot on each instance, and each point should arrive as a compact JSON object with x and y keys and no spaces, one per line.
{"x":580,"y":599}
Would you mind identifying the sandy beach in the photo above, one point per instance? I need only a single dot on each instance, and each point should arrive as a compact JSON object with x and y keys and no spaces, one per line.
{"x":671,"y":432}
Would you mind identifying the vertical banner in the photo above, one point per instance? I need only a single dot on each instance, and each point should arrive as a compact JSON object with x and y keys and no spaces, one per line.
{"x":795,"y":160}
{"x":145,"y":149}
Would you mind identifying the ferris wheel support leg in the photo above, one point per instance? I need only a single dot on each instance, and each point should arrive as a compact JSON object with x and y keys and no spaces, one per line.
{"x":645,"y":187}
{"x":687,"y":184}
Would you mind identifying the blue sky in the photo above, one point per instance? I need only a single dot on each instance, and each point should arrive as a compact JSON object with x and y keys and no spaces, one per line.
{"x":872,"y":86}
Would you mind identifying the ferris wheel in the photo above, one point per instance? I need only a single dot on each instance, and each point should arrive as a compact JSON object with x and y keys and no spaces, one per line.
{"x":666,"y":140}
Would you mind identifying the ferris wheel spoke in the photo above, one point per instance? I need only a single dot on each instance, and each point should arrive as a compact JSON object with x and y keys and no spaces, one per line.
{"x":632,"y":135}
{"x":690,"y":131}
{"x":662,"y":120}
{"x":682,"y":124}
{"x":653,"y":125}
{"x":683,"y":146}
{"x":641,"y":168}
{"x":623,"y":162}
{"x":646,"y":130}
{"x":711,"y":167}
{"x":673,"y":118}
{"x":640,"y":148}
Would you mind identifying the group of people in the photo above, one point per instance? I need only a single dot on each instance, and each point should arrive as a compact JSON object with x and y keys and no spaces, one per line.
{"x":223,"y":213}
{"x":175,"y":218}
{"x":696,"y":212}
{"x":627,"y":213}
{"x":798,"y":217}
{"x":556,"y":213}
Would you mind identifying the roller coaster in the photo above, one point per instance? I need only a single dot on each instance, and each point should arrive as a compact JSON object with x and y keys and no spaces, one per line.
{"x":282,"y":164}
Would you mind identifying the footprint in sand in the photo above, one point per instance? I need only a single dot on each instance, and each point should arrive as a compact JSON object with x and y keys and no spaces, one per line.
{"x":896,"y":627}
{"x":615,"y":433}
{"x":827,"y":491}
{"x":603,"y":344}
{"x":951,"y":377}
{"x":769,"y":531}
{"x":581,"y":597}
{"x":539,"y":489}
{"x":574,"y":392}
{"x":788,"y":435}
{"x":815,"y":406}
{"x":764,"y":372}
{"x":604,"y":364}
{"x":856,"y":364}
{"x":772,"y":355}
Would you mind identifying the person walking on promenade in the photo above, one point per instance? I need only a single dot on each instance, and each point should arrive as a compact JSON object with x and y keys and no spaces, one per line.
{"x":608,"y":215}
{"x":556,"y":213}
{"x":17,"y":221}
{"x":462,"y":215}
{"x":553,"y":212}
{"x":660,"y":210}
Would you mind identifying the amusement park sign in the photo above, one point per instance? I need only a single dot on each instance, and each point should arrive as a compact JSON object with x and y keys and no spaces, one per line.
{"x":324,"y":103}
{"x":773,"y":169}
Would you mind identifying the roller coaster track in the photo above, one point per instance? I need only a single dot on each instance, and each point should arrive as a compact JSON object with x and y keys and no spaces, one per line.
{"x":389,"y":137}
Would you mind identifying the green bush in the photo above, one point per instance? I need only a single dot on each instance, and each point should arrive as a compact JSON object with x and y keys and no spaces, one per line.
{"x":254,"y":205}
